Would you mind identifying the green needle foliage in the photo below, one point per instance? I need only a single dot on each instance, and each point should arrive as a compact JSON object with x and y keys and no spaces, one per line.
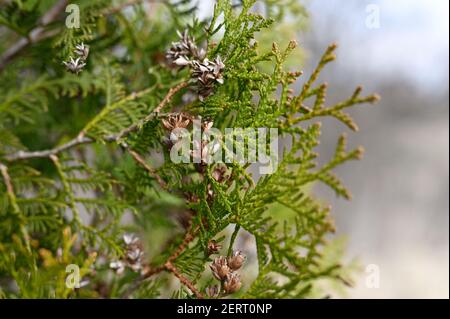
{"x":84,"y":157}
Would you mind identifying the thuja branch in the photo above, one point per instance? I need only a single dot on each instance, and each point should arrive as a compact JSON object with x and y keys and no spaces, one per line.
{"x":37,"y":34}
{"x":83,"y":139}
{"x":318,"y":110}
{"x":335,"y":110}
{"x":67,"y":189}
{"x":23,"y":155}
{"x":170,"y":267}
{"x":189,"y":236}
{"x":9,"y":186}
{"x":155,"y":112}
{"x":238,"y":94}
{"x":327,"y":57}
{"x":108,"y":108}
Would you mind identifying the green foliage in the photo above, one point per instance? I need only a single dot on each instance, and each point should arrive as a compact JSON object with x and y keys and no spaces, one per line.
{"x":105,"y":170}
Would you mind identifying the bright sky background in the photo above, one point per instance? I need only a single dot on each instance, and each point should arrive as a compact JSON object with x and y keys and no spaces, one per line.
{"x":413,"y":39}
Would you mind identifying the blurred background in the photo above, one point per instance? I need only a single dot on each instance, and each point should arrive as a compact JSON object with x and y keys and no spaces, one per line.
{"x":398,"y":219}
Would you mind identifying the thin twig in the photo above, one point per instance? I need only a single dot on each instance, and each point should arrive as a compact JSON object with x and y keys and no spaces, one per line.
{"x":151,"y":271}
{"x":147,"y":167}
{"x":170,"y":95}
{"x":23,"y":155}
{"x":82,"y":139}
{"x":13,"y":201}
{"x":6,"y":178}
{"x":37,"y":34}
{"x":237,"y":227}
{"x":189,"y":236}
{"x":155,"y":112}
{"x":185,"y":281}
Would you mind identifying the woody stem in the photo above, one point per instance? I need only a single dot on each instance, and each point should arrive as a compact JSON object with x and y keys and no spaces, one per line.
{"x":185,"y":281}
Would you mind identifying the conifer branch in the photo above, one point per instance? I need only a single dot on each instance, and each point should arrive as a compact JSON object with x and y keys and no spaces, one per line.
{"x":336,"y":110}
{"x":83,"y":139}
{"x":327,"y":57}
{"x":37,"y":34}
{"x":109,"y":107}
{"x":189,"y":236}
{"x":156,"y":111}
{"x":235,"y":86}
{"x":9,"y":186}
{"x":23,"y":155}
{"x":149,"y":271}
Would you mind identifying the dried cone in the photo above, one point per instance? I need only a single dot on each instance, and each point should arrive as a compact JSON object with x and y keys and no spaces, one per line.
{"x":180,"y":53}
{"x":236,"y":260}
{"x":220,"y":268}
{"x":213,"y":247}
{"x":82,"y":51}
{"x":213,"y":291}
{"x":232,"y":283}
{"x":176,"y":120}
{"x":219,"y":173}
{"x":207,"y":73}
